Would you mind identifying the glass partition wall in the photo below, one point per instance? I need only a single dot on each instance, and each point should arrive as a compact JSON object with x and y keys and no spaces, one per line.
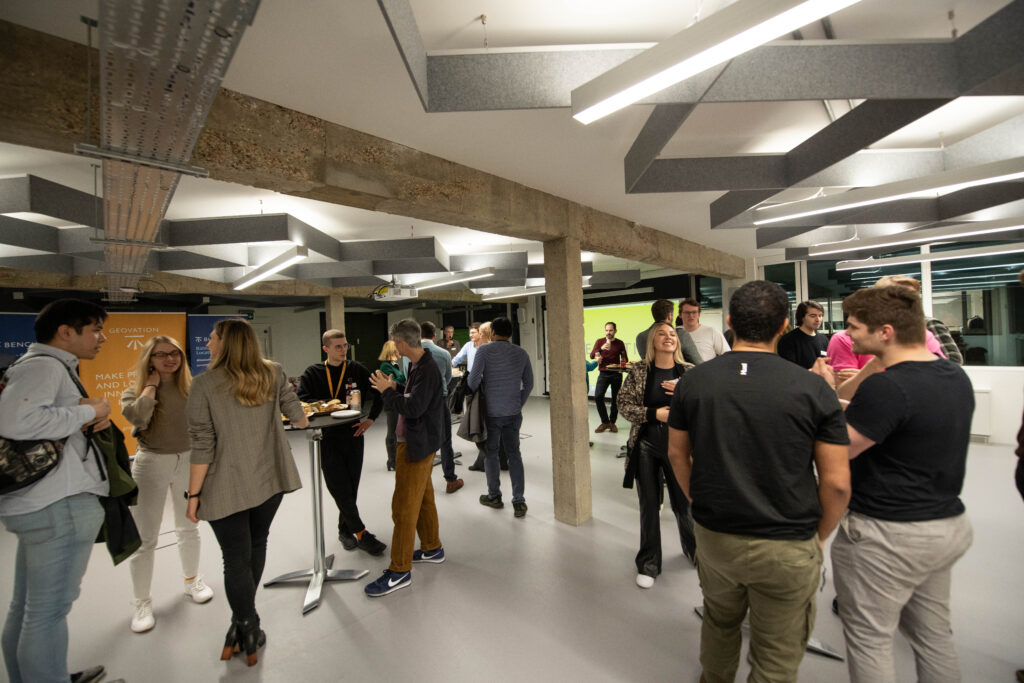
{"x":979,"y":298}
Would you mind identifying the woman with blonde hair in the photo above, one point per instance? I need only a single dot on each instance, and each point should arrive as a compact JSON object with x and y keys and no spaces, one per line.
{"x":155,"y":406}
{"x":644,"y":401}
{"x":391,"y":365}
{"x":241,"y":465}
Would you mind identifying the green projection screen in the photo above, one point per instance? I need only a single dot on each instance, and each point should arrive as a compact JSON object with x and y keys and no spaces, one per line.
{"x":631,"y":319}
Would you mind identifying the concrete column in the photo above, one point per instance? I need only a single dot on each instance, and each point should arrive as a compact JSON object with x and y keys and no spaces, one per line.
{"x":335,"y":304}
{"x":570,"y":454}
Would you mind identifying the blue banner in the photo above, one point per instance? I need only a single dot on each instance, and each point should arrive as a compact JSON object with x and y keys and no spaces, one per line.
{"x":16,"y":333}
{"x":199,"y":328}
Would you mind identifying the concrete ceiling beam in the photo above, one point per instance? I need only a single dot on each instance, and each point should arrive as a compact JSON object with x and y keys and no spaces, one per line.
{"x":298,"y":154}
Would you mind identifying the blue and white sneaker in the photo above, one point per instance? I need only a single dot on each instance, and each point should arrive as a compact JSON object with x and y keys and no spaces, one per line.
{"x":435,"y":556}
{"x":388,"y":582}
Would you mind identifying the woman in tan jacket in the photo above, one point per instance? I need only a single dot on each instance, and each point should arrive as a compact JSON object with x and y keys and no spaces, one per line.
{"x":241,"y":465}
{"x":155,"y":406}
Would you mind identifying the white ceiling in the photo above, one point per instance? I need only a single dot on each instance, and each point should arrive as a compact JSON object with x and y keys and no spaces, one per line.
{"x":337,"y":60}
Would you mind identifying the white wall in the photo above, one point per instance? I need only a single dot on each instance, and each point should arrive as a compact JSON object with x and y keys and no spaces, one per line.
{"x":293,"y":339}
{"x":531,"y":342}
{"x":1004,"y":398}
{"x":418,"y":314}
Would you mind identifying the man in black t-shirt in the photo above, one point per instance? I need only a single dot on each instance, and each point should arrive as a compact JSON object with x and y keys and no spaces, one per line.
{"x":746,"y":431}
{"x":342,"y":446}
{"x":906,"y":527}
{"x":803,"y":345}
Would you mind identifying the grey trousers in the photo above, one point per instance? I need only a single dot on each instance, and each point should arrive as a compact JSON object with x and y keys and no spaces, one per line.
{"x":891,"y":575}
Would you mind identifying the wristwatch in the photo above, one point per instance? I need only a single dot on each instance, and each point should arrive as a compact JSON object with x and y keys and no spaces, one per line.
{"x":192,"y":495}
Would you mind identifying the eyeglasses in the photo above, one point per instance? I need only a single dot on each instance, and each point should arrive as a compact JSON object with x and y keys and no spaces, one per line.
{"x":160,"y":355}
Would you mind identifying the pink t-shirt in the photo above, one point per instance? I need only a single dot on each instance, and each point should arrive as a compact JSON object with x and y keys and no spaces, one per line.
{"x":840,"y":350}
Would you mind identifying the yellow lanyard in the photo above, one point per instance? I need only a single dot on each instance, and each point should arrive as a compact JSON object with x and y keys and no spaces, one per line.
{"x":330,"y":384}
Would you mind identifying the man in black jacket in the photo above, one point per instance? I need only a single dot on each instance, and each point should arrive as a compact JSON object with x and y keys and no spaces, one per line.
{"x":420,"y":409}
{"x":342,"y":446}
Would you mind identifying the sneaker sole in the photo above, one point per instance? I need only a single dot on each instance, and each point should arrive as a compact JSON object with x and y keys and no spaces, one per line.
{"x":390,"y":590}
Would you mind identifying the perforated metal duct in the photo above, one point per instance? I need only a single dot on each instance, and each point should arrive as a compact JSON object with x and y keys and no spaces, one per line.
{"x":161,"y":67}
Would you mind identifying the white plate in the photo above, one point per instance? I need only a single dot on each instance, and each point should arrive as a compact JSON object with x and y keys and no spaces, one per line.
{"x":345,"y":413}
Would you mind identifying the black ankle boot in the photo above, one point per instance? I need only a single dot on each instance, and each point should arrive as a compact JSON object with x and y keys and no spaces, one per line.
{"x":251,"y":638}
{"x":231,"y":643}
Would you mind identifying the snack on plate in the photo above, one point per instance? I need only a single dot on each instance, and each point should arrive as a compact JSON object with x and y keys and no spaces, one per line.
{"x":321,"y":407}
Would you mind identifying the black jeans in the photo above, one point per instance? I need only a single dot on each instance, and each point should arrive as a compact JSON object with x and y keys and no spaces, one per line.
{"x":447,"y":454}
{"x":652,"y":464}
{"x":391,"y":440}
{"x":607,"y":378}
{"x":243,"y":543}
{"x":342,"y":463}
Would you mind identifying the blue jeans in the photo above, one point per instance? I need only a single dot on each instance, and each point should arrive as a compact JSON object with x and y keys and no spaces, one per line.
{"x":54,"y":545}
{"x":504,"y":430}
{"x":447,"y":454}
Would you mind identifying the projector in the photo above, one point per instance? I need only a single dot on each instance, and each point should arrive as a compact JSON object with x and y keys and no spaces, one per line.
{"x":391,"y":293}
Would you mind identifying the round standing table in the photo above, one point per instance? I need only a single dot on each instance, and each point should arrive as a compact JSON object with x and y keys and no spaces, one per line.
{"x":321,"y":570}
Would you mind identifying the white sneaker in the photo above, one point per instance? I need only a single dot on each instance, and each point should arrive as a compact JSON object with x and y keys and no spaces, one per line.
{"x":143,"y":619}
{"x":644,"y":581}
{"x":197,"y":590}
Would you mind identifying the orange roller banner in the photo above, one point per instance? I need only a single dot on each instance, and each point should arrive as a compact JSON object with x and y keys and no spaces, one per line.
{"x":113,"y":369}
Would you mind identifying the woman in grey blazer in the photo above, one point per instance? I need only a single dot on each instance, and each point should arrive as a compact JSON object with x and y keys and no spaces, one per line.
{"x":241,"y":465}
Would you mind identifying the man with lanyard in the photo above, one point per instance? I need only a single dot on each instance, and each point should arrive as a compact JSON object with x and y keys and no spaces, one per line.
{"x":342,"y":446}
{"x":57,"y":518}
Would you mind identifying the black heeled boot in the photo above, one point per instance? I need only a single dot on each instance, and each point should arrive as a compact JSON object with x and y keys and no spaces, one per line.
{"x":251,"y":638}
{"x":231,"y":645}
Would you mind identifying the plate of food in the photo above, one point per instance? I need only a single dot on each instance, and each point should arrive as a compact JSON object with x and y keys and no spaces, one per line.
{"x":319,"y":408}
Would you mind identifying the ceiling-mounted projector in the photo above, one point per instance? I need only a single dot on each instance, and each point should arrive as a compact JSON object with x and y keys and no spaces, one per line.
{"x":394,"y":293}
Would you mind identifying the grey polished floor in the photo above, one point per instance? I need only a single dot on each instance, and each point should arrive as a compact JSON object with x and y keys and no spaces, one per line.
{"x":517,"y":600}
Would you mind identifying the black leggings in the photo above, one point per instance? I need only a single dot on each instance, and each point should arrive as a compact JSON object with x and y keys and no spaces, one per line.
{"x":605,"y":379}
{"x":243,"y":543}
{"x":651,"y":452}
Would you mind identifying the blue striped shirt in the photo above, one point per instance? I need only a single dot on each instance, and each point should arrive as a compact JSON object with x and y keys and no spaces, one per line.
{"x":504,"y":370}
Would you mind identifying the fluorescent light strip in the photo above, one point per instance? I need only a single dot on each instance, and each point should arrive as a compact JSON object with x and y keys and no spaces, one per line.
{"x":998,"y":265}
{"x":973,"y":285}
{"x":878,"y":276}
{"x":455,"y":278}
{"x":925,"y":186}
{"x":535,"y":291}
{"x":944,"y":234}
{"x":274,"y":265}
{"x":975,"y":276}
{"x":731,"y":31}
{"x":1015,"y":248}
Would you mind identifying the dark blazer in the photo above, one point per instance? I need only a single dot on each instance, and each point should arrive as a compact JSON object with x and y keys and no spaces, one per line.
{"x":420,"y":407}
